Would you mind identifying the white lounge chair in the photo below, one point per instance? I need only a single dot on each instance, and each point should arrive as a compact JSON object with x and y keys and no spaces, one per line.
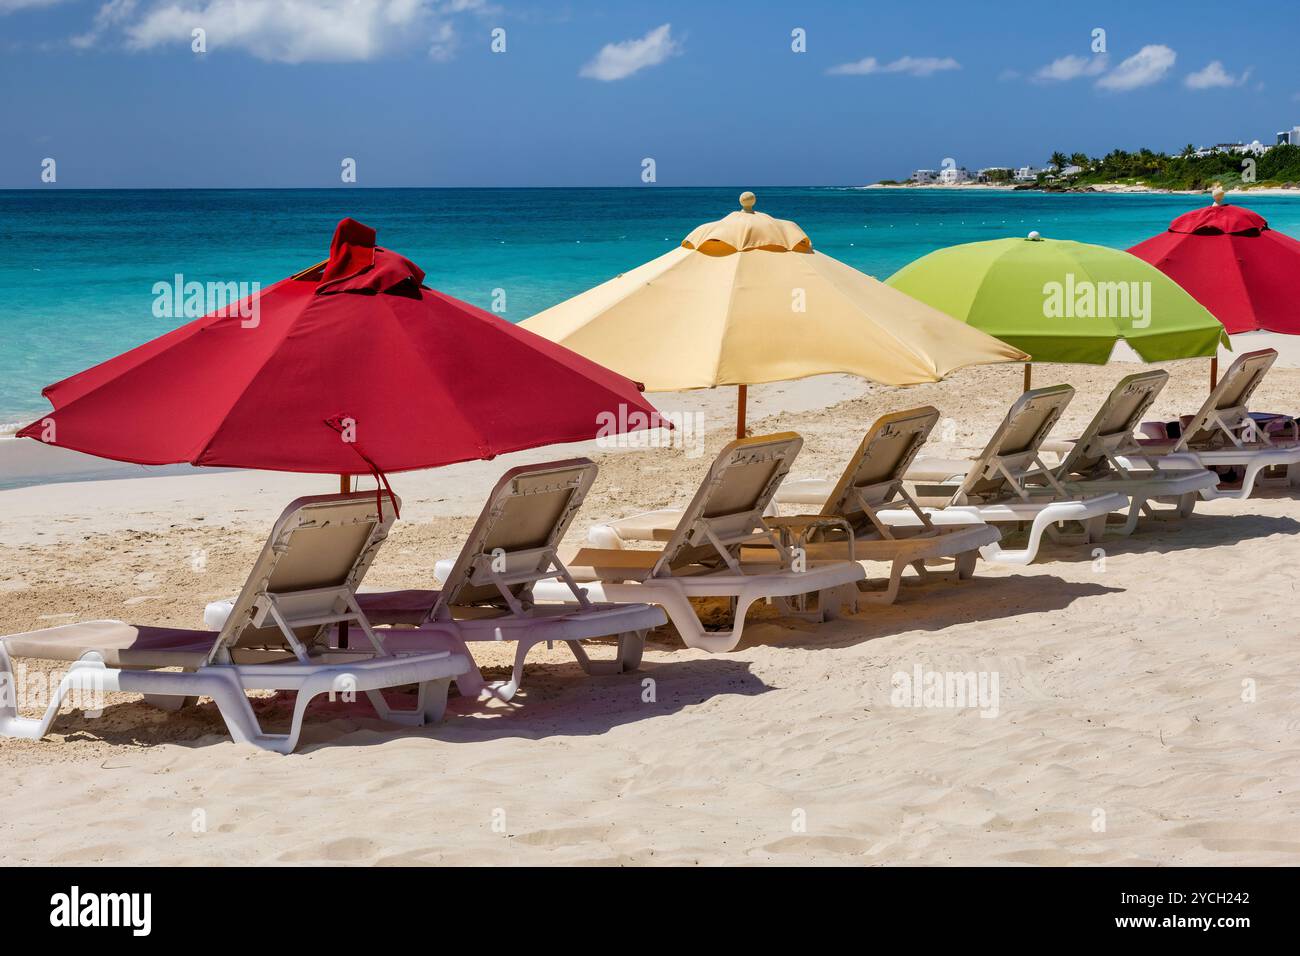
{"x":848,"y":525}
{"x":276,"y":638}
{"x":1091,"y":463}
{"x":1006,"y":484}
{"x":487,"y":592}
{"x":701,"y":557}
{"x":1222,"y":435}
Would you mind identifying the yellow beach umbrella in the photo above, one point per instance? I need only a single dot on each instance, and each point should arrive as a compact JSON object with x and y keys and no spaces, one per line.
{"x":746,"y":300}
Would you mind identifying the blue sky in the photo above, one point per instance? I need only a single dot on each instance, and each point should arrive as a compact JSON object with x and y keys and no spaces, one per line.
{"x":713,"y":92}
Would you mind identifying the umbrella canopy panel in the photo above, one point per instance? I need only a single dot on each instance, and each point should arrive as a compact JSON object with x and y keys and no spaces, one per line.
{"x":1063,"y":301}
{"x":351,"y":367}
{"x":1232,"y":263}
{"x":747,"y":300}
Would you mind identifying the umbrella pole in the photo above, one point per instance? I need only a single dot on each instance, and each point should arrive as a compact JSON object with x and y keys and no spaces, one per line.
{"x":742,"y":396}
{"x":345,"y":487}
{"x":1029,"y":376}
{"x":1214,"y":372}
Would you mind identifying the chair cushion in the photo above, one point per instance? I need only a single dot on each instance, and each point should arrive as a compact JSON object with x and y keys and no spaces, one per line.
{"x":118,"y":643}
{"x":411,"y":606}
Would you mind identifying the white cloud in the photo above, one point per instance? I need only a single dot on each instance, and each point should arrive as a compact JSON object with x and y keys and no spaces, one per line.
{"x":109,"y":15}
{"x":443,"y":43}
{"x":1071,"y":67}
{"x":1148,"y":65}
{"x":1214,"y":75}
{"x":289,"y":31}
{"x":616,"y":61}
{"x":13,"y":6}
{"x":911,"y":65}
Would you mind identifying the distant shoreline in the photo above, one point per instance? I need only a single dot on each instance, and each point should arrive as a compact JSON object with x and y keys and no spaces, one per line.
{"x":1108,"y":188}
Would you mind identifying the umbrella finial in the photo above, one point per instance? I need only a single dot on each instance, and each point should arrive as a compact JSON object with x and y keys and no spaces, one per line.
{"x":1217,"y":193}
{"x":747,"y":200}
{"x":1034,"y":236}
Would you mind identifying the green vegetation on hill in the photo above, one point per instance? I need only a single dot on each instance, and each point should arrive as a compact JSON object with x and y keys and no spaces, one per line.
{"x":1279,"y":166}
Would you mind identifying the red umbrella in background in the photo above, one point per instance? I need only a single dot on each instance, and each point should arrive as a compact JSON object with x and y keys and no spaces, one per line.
{"x":352,"y":367}
{"x":1246,"y":274}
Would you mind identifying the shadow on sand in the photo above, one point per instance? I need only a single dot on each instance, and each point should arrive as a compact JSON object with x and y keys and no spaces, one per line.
{"x":555,"y":699}
{"x":928,"y":607}
{"x":1197,"y":532}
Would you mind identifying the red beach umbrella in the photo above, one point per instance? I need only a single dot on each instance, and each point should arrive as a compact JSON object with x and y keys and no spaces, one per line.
{"x":352,"y":367}
{"x":1228,"y":258}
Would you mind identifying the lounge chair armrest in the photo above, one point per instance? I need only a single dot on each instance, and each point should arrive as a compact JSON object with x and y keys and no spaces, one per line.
{"x":805,"y":522}
{"x":794,"y":529}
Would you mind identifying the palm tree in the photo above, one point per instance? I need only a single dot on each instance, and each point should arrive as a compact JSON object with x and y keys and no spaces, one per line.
{"x":1079,"y":159}
{"x":1058,"y":160}
{"x":1188,"y":151}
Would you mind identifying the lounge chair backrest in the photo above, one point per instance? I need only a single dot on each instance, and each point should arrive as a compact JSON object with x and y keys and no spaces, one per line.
{"x":728,"y":507}
{"x":319,"y":550}
{"x":1014,"y":447}
{"x":1228,"y":403}
{"x":875,"y":472}
{"x":513,"y":543}
{"x":1111,"y":430}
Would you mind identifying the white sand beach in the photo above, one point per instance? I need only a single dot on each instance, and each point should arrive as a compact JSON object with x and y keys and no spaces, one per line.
{"x":1148,"y":705}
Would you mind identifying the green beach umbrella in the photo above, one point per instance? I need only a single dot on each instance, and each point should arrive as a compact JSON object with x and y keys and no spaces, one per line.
{"x":1064,"y":301}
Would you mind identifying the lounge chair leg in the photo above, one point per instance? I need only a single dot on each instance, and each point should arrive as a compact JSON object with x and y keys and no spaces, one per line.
{"x":290,"y":740}
{"x":890,"y":594}
{"x":88,"y":674}
{"x":631,"y":647}
{"x":688,"y":625}
{"x":505,"y":690}
{"x":966,"y":562}
{"x":831,"y":602}
{"x":430,"y":704}
{"x":11,"y":725}
{"x":232,"y":703}
{"x":1248,"y":482}
{"x":628,"y":657}
{"x":1026,"y":555}
{"x":435,"y":699}
{"x":470,"y":684}
{"x":474,"y":687}
{"x":1135,"y":509}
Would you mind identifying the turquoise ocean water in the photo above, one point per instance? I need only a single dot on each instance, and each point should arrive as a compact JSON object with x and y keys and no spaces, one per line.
{"x":78,"y":268}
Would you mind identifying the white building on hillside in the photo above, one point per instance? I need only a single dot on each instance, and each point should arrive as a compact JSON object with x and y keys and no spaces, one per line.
{"x":923,"y":176}
{"x":1256,"y":148}
{"x":954,"y":175}
{"x":1027,"y":174}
